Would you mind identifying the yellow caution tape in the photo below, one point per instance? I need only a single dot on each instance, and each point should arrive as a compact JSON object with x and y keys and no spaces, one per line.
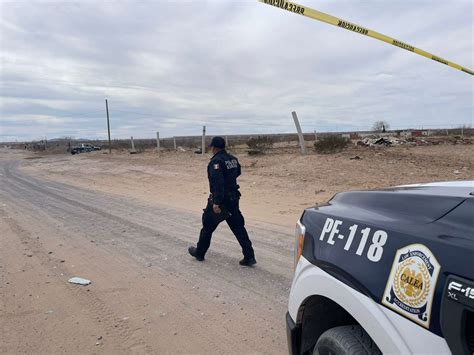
{"x":321,"y":16}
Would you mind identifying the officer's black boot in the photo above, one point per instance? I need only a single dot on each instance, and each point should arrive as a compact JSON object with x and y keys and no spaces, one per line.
{"x":193,"y":251}
{"x":248,"y":261}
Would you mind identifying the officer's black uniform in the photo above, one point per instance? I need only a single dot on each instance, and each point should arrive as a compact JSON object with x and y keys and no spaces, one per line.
{"x":222,"y":172}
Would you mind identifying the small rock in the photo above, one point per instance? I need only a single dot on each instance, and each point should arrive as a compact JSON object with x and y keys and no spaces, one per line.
{"x":50,"y":252}
{"x":99,"y":337}
{"x":355,"y":158}
{"x":456,"y":172}
{"x":29,"y":255}
{"x":98,"y":343}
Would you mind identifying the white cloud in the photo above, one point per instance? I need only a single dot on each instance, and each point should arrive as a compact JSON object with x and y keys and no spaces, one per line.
{"x":234,"y":66}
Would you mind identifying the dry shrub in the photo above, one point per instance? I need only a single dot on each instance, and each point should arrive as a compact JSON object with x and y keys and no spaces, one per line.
{"x":259,"y":145}
{"x":330,"y":144}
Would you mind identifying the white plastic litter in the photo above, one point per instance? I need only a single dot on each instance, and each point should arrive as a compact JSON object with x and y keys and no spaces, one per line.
{"x":79,"y":281}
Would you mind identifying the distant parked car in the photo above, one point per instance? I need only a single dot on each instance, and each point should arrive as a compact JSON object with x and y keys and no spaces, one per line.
{"x":84,"y":148}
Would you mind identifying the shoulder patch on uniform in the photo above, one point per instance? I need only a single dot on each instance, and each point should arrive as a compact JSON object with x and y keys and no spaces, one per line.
{"x":216,"y":166}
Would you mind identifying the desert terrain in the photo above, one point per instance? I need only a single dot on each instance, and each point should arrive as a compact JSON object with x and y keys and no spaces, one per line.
{"x":125,"y":222}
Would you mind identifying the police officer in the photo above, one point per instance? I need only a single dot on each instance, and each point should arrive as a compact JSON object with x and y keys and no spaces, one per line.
{"x":223,"y":204}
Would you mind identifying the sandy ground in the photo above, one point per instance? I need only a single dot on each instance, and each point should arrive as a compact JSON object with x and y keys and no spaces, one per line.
{"x":124,"y":221}
{"x":275,"y":187}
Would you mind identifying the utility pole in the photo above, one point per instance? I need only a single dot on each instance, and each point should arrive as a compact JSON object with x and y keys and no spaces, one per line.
{"x":158,"y":142}
{"x":108,"y":125}
{"x":203,"y":142}
{"x":300,"y":133}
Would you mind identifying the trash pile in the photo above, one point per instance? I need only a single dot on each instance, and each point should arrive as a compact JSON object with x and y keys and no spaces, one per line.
{"x":381,"y":141}
{"x":392,"y":141}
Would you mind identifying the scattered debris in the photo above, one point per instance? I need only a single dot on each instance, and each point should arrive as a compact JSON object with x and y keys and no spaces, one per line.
{"x":375,"y":140}
{"x":355,"y":158}
{"x":384,"y":141}
{"x":457,"y":172}
{"x":79,"y":281}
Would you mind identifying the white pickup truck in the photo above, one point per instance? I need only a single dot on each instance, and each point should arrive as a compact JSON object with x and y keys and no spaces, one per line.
{"x":387,"y":271}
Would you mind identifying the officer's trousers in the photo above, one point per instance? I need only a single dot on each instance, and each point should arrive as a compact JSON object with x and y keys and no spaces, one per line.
{"x":236,"y":223}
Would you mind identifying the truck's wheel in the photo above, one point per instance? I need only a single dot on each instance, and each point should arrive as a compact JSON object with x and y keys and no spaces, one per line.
{"x":346,"y":340}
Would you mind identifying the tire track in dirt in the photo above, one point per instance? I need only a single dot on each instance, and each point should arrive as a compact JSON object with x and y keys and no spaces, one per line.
{"x":116,"y":329}
{"x":168,"y":243}
{"x":155,"y":245}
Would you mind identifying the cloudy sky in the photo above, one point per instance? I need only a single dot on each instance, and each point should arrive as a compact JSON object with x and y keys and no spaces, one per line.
{"x":234,"y":66}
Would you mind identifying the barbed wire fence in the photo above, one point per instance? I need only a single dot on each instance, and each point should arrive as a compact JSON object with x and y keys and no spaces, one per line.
{"x":280,"y":130}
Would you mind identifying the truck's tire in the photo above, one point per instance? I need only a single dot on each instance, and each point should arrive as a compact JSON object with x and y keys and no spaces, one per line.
{"x":346,"y":340}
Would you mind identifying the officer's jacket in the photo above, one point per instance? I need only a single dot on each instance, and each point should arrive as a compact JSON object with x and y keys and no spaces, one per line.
{"x":222,"y":172}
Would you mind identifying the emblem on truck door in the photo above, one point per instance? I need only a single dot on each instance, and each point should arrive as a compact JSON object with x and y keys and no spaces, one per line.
{"x":412,"y":282}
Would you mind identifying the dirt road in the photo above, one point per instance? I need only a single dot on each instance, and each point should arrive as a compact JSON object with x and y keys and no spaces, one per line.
{"x":125,"y":222}
{"x":147,"y":294}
